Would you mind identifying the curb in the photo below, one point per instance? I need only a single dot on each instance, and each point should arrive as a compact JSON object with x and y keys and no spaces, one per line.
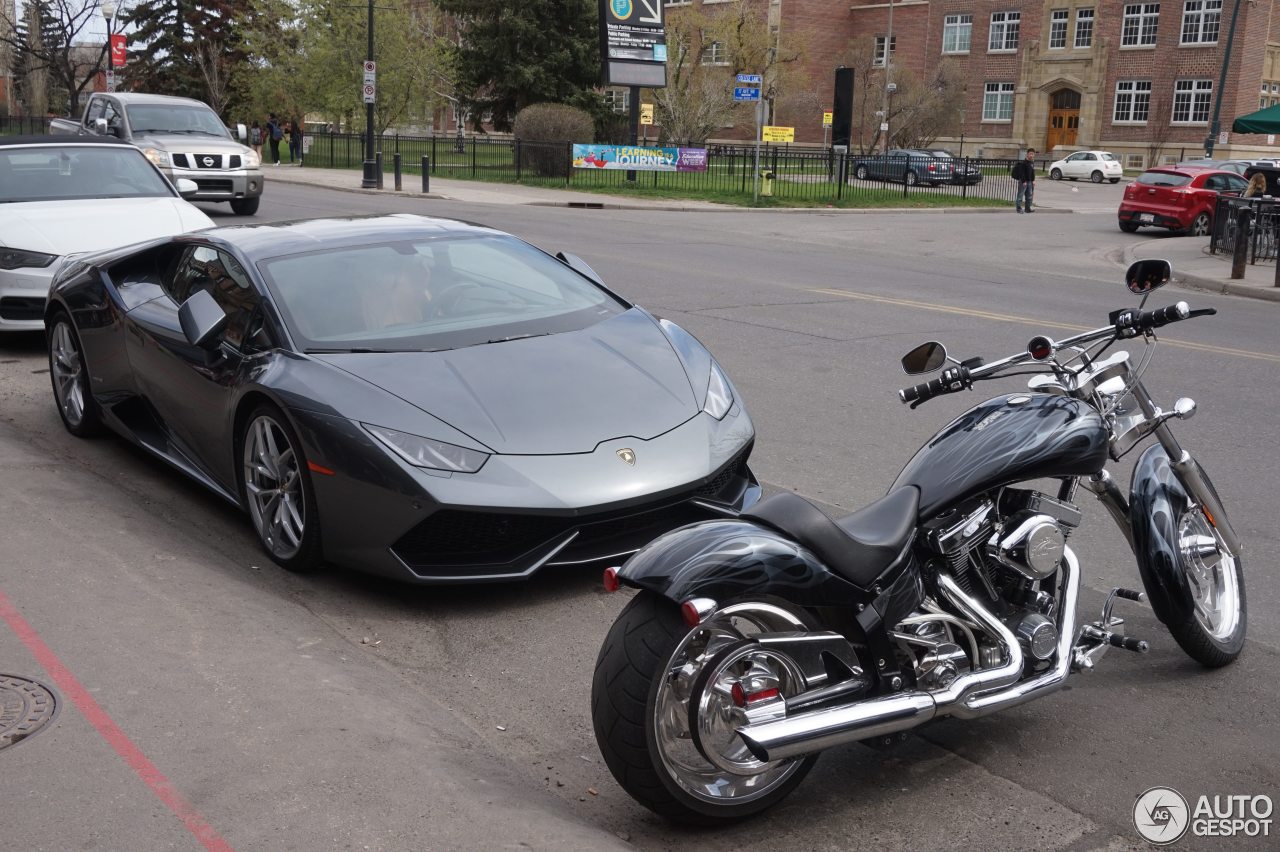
{"x":1204,"y":284}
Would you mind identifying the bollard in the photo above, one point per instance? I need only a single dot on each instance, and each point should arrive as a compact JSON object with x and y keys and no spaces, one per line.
{"x":1241,"y":247}
{"x":377,"y":165}
{"x":426,"y":173}
{"x":395,"y":165}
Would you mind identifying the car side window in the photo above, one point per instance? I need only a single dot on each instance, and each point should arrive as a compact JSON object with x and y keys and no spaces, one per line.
{"x":1214,"y":182}
{"x":234,"y":293}
{"x":1235,"y":184}
{"x":94,"y":111}
{"x":190,"y":274}
{"x":109,"y":113}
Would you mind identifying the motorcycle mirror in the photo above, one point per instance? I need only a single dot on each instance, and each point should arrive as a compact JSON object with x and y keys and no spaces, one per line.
{"x":925,"y":358}
{"x":1147,"y":275}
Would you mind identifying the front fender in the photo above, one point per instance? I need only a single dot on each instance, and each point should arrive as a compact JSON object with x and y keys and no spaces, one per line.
{"x":1157,"y":500}
{"x":725,"y":560}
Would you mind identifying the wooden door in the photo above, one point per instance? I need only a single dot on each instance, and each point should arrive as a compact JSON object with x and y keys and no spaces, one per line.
{"x":1064,"y":124}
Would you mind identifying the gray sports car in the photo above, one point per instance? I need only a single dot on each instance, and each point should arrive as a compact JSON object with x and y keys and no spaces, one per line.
{"x":420,"y":398}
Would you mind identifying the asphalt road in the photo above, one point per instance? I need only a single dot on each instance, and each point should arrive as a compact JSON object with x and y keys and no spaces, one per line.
{"x":341,"y":712}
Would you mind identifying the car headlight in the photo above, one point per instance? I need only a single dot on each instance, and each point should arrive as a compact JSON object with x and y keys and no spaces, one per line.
{"x":719,"y":397}
{"x":158,"y":157}
{"x":424,"y":452}
{"x":251,"y":159}
{"x":11,"y":258}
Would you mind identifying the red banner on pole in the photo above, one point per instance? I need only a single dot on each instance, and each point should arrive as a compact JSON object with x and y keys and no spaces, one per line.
{"x":117,"y":50}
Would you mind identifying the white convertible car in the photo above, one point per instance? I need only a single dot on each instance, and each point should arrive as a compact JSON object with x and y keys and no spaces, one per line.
{"x":64,"y":195}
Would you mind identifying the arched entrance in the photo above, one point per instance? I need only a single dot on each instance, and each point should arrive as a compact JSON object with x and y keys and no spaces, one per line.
{"x":1064,"y":118}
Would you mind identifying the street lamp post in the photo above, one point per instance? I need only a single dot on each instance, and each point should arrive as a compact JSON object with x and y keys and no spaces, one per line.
{"x":108,"y":13}
{"x":1216,"y":126}
{"x":889,"y":86}
{"x":370,"y":179}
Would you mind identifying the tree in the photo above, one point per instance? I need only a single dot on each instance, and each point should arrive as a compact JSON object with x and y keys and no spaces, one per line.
{"x":51,"y":53}
{"x":512,"y":55}
{"x":191,"y":48}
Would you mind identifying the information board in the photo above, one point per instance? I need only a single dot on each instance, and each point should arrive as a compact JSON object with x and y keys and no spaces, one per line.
{"x":633,"y":43}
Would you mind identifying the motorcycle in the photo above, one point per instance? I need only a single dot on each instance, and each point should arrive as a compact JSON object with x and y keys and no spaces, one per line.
{"x":757,"y":642}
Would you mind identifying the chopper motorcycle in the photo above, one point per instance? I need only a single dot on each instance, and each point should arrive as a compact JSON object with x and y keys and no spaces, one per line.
{"x":755,"y":643}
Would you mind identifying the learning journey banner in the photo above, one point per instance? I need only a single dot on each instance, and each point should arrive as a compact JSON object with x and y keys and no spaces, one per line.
{"x":636,"y":158}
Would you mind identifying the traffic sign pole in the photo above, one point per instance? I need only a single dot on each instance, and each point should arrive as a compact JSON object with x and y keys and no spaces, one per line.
{"x":370,"y":178}
{"x":755,"y":192}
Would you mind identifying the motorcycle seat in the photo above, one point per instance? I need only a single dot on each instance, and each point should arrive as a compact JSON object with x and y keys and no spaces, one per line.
{"x":858,"y":547}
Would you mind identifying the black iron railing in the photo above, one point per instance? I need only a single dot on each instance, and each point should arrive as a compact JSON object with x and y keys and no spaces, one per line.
{"x":1262,"y":227}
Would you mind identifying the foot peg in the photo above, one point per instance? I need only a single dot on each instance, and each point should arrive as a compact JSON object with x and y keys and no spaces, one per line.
{"x":1107,"y":632}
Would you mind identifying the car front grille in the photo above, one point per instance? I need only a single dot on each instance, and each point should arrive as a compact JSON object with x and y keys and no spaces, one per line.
{"x":211,"y":185}
{"x":22,"y":308}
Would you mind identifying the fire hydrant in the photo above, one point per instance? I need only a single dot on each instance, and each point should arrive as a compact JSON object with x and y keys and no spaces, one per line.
{"x":766,"y":183}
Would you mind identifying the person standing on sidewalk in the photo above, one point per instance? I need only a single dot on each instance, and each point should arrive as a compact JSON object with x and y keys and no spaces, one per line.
{"x":1024,"y":172}
{"x":274,"y":134}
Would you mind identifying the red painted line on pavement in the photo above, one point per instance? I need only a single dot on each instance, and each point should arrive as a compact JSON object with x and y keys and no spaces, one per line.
{"x":110,"y":731}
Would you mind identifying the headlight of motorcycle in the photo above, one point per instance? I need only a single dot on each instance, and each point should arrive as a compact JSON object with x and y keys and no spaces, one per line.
{"x":424,"y":452}
{"x":251,"y":159}
{"x":158,"y":157}
{"x":719,"y":397}
{"x":11,"y":258}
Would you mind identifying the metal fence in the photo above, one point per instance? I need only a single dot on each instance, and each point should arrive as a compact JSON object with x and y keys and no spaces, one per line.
{"x":1262,"y":229}
{"x":17,"y":125}
{"x":800,"y":174}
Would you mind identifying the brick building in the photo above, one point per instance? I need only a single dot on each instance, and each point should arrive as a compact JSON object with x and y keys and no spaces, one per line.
{"x":1137,"y":78}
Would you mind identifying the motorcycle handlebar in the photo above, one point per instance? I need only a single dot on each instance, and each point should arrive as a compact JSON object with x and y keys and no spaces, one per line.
{"x":953,"y":379}
{"x":1142,"y":321}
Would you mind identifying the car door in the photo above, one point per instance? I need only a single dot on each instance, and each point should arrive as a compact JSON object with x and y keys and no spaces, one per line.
{"x":1079,"y":164}
{"x":193,"y":390}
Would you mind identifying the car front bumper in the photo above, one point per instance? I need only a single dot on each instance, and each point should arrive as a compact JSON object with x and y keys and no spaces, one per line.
{"x":23,"y":293}
{"x":219,"y":184}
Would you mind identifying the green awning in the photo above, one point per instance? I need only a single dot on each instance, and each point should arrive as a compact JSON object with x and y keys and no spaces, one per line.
{"x":1263,"y":121}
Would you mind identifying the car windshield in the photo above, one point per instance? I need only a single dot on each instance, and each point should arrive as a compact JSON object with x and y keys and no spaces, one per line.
{"x":430,"y":294}
{"x":170,"y":118}
{"x":1164,"y":179}
{"x":53,"y":172}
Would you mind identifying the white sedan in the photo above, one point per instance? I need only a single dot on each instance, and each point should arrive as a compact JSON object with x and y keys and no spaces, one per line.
{"x":63,"y":195}
{"x":1097,"y":166}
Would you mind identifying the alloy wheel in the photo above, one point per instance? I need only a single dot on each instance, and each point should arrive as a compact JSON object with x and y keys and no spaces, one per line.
{"x":68,"y":373}
{"x":273,"y":485}
{"x":1211,"y":575}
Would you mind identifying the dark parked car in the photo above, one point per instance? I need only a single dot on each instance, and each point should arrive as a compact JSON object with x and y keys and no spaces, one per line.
{"x":962,"y":171}
{"x":905,"y":165}
{"x":1180,"y":199}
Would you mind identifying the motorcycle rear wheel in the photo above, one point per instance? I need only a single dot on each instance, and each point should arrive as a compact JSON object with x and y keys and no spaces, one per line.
{"x":645,"y":679}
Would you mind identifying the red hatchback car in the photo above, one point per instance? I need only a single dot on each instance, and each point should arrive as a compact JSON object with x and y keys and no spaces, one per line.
{"x":1180,"y":198}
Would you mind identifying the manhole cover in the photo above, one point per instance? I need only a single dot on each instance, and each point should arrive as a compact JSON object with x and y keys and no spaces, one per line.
{"x":26,"y":708}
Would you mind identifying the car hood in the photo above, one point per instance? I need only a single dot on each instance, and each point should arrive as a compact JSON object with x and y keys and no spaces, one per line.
{"x":563,"y":393}
{"x":79,"y":225}
{"x":183,"y":143}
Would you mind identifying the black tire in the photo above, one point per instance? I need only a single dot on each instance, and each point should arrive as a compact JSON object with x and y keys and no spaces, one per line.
{"x":1055,"y":174}
{"x":860,"y":172}
{"x":624,"y":694}
{"x":1129,"y":227}
{"x":246,"y":206}
{"x":911,"y":178}
{"x":1096,"y":177}
{"x":1114,"y":180}
{"x":69,"y":375}
{"x":1199,"y":226}
{"x":305,"y":555}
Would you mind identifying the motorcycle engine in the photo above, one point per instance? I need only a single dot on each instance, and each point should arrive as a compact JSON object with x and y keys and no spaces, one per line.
{"x":1004,"y":553}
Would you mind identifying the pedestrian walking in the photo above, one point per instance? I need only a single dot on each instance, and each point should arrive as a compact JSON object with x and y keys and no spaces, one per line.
{"x":255,"y":139}
{"x":274,"y":134}
{"x":295,"y":141}
{"x":1024,"y":172}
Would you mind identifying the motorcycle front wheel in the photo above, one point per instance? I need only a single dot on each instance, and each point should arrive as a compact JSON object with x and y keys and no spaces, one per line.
{"x":667,"y":699}
{"x":1213,"y":634}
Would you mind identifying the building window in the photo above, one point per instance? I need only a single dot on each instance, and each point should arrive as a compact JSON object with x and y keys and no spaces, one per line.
{"x":997,"y":102}
{"x":1084,"y":27}
{"x":1139,"y":26}
{"x":878,"y":60}
{"x":1133,"y":161}
{"x":956,"y":31}
{"x":1191,"y":101}
{"x":1200,"y":21}
{"x":1058,"y":29}
{"x":1004,"y":31}
{"x":1133,"y":102}
{"x":715,"y":54}
{"x":618,"y":100}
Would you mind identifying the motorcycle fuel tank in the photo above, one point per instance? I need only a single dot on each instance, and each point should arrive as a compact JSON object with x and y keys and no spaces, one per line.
{"x":1008,"y":439}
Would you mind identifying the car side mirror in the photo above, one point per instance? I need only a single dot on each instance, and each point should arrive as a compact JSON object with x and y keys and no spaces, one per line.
{"x":241,"y":133}
{"x":202,"y":319}
{"x":187,"y":188}
{"x":925,"y":358}
{"x":579,"y":265}
{"x":1147,"y":275}
{"x":100,"y":126}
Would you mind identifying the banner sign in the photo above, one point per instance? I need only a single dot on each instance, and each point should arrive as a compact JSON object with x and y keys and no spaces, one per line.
{"x":118,"y":50}
{"x":633,"y":43}
{"x":778,"y":134}
{"x":639,"y":159}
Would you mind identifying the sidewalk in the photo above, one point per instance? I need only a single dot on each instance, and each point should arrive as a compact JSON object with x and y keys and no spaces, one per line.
{"x":1193,"y":267}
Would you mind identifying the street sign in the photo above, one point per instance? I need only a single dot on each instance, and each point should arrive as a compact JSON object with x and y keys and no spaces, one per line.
{"x":369,"y":92}
{"x":779,"y":134}
{"x":826,"y":118}
{"x":750,"y":79}
{"x":884,"y":125}
{"x":1222,"y":138}
{"x":370,"y":67}
{"x":633,"y":42}
{"x":746,"y":94}
{"x":646,"y":113}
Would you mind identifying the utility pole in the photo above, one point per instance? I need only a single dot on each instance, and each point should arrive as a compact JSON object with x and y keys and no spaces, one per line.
{"x":370,"y":179}
{"x":889,"y":87}
{"x":1216,"y":126}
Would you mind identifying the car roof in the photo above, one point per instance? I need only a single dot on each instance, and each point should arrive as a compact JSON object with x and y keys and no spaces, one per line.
{"x":60,"y":139}
{"x":1190,"y":171}
{"x":128,"y":98}
{"x":275,"y":239}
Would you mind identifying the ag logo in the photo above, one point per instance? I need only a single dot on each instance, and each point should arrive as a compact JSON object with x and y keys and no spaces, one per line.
{"x":1161,"y":816}
{"x":627,"y":455}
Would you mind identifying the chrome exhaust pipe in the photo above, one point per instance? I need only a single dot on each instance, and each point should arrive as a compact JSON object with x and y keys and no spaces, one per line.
{"x":968,"y":696}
